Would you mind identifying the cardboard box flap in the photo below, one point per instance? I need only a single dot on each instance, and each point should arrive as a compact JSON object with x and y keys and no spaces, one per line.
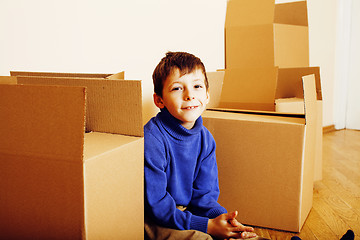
{"x":252,"y":87}
{"x":97,"y":144}
{"x":309,"y":99}
{"x":216,"y":80}
{"x":310,"y":140}
{"x":256,"y":12}
{"x":113,"y":106}
{"x":289,"y":83}
{"x":120,"y":75}
{"x":293,"y":13}
{"x":249,"y":12}
{"x":42,"y":121}
{"x":8,"y":80}
{"x":58,"y":74}
{"x":257,"y":112}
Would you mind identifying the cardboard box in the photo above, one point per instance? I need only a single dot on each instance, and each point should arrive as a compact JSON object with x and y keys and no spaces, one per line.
{"x":266,"y":160}
{"x":59,"y":182}
{"x":105,"y":98}
{"x":296,"y":105}
{"x":260,"y":33}
{"x":7,"y":80}
{"x":119,"y":76}
{"x":289,"y":90}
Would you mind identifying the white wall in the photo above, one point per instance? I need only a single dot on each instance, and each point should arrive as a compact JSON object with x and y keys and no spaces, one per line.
{"x":109,"y":36}
{"x":114,"y":35}
{"x":322,"y":15}
{"x":347,"y":84}
{"x":353,"y":97}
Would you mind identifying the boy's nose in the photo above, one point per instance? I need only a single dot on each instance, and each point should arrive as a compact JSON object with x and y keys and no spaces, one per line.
{"x":188,"y":95}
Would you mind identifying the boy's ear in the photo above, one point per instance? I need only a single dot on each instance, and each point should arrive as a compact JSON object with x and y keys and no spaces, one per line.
{"x":158,"y":101}
{"x":207,"y":97}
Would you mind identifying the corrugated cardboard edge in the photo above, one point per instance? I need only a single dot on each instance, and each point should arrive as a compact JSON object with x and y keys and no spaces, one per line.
{"x":60,"y":74}
{"x":8,"y":80}
{"x":309,"y":150}
{"x":117,"y":76}
{"x":113,"y":106}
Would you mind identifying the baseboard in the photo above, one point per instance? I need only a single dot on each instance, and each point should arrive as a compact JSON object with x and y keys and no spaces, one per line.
{"x":329,"y":128}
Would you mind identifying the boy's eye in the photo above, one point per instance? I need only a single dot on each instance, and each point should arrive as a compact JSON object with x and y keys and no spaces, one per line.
{"x":176,"y":89}
{"x":198,"y":86}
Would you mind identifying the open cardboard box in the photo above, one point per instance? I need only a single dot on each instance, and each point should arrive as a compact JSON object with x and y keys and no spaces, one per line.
{"x":264,"y":34}
{"x":59,"y":182}
{"x":266,"y":159}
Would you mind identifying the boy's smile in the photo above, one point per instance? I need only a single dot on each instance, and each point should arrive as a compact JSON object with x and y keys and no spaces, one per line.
{"x":185,"y":96}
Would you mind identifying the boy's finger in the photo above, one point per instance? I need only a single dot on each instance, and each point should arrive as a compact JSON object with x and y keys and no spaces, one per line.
{"x":248,"y":235}
{"x":249,"y":229}
{"x":235,"y":223}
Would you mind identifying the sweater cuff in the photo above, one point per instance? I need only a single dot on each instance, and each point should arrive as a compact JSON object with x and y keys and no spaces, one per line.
{"x":199,"y":223}
{"x":213,"y":213}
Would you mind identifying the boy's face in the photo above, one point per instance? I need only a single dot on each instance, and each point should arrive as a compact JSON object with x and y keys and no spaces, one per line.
{"x":184,"y":96}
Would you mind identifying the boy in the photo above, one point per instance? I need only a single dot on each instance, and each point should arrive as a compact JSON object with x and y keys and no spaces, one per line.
{"x":181,"y":182}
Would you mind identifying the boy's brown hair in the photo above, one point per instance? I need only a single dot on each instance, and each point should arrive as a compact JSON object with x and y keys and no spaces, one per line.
{"x":185,"y":62}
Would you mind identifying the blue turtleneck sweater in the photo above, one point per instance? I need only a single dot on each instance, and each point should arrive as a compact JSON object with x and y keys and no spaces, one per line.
{"x":180,"y":169}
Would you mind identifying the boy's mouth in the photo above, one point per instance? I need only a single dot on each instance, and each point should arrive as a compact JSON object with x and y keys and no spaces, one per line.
{"x":189,"y":107}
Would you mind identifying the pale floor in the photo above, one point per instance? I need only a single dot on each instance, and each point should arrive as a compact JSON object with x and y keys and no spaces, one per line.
{"x":336,"y":205}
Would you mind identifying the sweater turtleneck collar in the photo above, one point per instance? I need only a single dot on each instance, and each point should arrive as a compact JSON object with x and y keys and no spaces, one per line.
{"x":175,"y":129}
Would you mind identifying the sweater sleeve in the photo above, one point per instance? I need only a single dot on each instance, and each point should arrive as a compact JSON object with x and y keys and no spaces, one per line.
{"x":159,"y":204}
{"x":206,"y":185}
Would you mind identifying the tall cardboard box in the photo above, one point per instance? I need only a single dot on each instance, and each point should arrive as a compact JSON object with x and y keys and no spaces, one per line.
{"x":265,"y":161}
{"x":260,"y":33}
{"x":58,"y":182}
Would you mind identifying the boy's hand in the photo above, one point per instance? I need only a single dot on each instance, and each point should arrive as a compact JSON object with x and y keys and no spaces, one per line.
{"x":247,"y":232}
{"x":226,"y":226}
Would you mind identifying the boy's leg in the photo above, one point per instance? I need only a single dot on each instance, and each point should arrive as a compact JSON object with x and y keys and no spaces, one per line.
{"x":155,"y":232}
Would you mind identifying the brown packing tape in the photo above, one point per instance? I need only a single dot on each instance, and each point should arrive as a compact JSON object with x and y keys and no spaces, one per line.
{"x":113,"y":106}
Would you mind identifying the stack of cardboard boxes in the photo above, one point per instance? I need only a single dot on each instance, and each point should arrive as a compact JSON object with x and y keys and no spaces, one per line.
{"x":71,"y":157}
{"x":266,"y":157}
